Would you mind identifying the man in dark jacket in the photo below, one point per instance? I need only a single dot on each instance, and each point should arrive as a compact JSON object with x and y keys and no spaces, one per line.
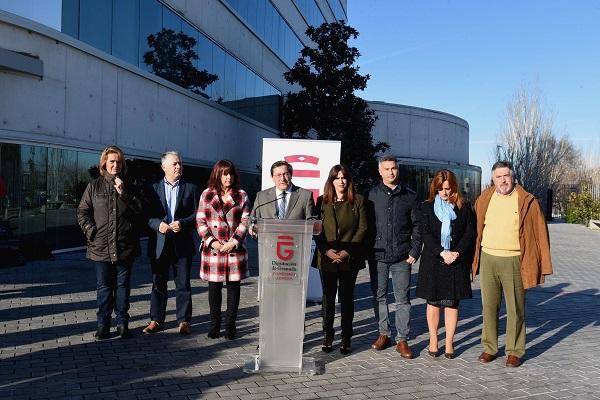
{"x":108,"y":214}
{"x":172,"y":220}
{"x":396,"y":247}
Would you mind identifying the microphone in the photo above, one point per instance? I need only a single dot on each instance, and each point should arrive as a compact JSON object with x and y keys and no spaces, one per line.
{"x":253,"y":218}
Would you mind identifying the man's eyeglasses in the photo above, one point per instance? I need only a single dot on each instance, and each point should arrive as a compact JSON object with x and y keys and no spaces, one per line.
{"x":286,"y":174}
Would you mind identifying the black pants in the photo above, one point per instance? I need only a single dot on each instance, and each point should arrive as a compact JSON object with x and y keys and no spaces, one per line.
{"x":181,"y":267}
{"x":215,"y":297}
{"x":329,"y":282}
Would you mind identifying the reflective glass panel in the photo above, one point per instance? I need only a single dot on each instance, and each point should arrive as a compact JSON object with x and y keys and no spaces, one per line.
{"x":219,"y":70}
{"x":150,"y":23}
{"x":95,"y":21}
{"x":171,"y":20}
{"x":125,"y":30}
{"x":230,"y":78}
{"x":61,"y":205}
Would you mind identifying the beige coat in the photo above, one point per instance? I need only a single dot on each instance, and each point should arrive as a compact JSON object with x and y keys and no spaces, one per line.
{"x":533,"y":237}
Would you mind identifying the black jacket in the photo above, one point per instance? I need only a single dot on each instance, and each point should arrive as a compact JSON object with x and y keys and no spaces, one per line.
{"x":394,"y":223}
{"x":438,"y":281}
{"x":110,"y":221}
{"x":188,"y":197}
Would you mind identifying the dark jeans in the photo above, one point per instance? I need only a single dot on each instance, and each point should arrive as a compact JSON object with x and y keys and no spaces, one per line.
{"x":329,"y":282}
{"x":160,"y":276}
{"x":112,"y":291}
{"x":215,"y":298}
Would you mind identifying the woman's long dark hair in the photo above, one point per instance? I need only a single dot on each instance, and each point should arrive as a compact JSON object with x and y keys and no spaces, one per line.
{"x":223,"y":167}
{"x":438,"y":181}
{"x":329,"y":194}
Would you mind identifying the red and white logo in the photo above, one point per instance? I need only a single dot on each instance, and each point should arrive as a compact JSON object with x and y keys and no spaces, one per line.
{"x":306,"y":173}
{"x":285,"y":244}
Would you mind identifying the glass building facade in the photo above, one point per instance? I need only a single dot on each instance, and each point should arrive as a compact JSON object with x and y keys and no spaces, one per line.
{"x":418,"y":175}
{"x":43,"y":186}
{"x":122,"y":28}
{"x":338,"y":10}
{"x":270,"y":26}
{"x":310,"y":11}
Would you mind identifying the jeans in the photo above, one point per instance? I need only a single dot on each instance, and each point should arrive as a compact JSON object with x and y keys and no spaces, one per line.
{"x":329,"y":282}
{"x":380,"y":272}
{"x":183,"y":298}
{"x":112,"y":291}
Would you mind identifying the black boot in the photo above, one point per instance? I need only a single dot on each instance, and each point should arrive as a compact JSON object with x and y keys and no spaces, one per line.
{"x":214,"y":302}
{"x":230,"y":331}
{"x":123,"y":330}
{"x":345,"y":346}
{"x":233,"y":302}
{"x":102,"y":333}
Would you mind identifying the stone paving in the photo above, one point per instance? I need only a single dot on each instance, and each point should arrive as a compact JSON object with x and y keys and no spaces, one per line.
{"x":47,"y":349}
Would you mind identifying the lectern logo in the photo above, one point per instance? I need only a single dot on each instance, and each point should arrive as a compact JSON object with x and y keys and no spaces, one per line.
{"x":284,"y":247}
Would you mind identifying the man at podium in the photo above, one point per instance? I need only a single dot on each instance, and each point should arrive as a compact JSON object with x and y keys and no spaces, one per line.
{"x":284,"y":200}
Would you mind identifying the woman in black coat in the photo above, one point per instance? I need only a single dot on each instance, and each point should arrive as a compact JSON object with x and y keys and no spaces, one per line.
{"x":109,"y":215}
{"x":447,"y":226}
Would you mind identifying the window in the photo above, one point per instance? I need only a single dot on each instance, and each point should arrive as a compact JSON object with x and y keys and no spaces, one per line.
{"x":95,"y":18}
{"x":150,"y":23}
{"x":125,"y":30}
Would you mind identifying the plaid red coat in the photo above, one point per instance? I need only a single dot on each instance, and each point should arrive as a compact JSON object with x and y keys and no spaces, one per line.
{"x":223,"y":219}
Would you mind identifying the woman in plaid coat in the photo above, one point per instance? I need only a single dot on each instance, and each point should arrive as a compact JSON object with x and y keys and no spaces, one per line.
{"x":222,"y":220}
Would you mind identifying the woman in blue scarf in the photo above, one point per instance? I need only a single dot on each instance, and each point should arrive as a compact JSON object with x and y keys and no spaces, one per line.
{"x":447,"y":226}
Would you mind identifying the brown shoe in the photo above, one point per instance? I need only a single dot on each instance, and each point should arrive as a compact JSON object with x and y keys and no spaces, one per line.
{"x":185,"y":328}
{"x":404,"y":350}
{"x":152,"y":327}
{"x":382,"y":343}
{"x":513,"y":361}
{"x":486,"y":357}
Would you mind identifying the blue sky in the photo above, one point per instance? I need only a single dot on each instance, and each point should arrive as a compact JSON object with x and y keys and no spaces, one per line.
{"x":46,"y":12}
{"x":469,"y":57}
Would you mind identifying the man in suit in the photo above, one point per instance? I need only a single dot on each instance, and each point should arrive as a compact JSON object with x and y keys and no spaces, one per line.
{"x":172,"y":220}
{"x":284,"y":200}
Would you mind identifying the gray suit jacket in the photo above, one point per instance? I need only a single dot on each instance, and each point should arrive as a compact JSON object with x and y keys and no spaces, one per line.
{"x":300,"y":206}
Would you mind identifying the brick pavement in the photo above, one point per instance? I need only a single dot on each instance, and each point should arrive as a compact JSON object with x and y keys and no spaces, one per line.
{"x":47,"y":350}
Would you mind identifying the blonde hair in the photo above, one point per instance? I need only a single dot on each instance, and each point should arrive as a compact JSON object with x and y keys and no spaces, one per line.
{"x":112,"y":149}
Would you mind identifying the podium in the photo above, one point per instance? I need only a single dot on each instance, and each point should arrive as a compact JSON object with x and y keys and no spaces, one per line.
{"x":284,"y":248}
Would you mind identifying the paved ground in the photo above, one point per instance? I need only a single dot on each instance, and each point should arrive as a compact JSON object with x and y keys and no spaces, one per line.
{"x":47,"y":350}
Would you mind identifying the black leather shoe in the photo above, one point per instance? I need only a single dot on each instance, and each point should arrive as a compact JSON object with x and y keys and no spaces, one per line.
{"x":450,"y":356}
{"x":433,"y":354}
{"x":124,"y":331}
{"x":102,"y":333}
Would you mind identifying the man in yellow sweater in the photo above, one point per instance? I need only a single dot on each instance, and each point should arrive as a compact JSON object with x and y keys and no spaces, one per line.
{"x":512,"y":254}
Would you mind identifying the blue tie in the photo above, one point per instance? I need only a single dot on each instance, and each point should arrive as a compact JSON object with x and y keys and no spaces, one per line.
{"x":281,"y":207}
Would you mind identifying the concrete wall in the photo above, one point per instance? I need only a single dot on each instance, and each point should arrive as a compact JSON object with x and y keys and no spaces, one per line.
{"x":420,"y":133}
{"x":88,"y":99}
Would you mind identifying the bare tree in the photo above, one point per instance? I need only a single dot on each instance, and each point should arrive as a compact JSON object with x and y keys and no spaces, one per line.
{"x":528,"y":140}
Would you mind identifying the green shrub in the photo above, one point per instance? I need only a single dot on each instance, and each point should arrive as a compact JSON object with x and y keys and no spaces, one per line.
{"x":581,"y":208}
